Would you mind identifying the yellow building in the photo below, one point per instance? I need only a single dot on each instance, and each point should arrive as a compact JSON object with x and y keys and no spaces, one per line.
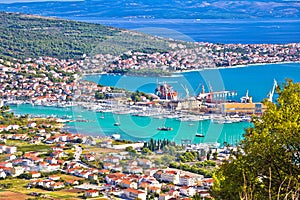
{"x":243,"y":108}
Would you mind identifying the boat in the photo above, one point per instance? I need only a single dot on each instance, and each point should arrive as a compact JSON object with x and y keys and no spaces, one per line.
{"x":222,"y":121}
{"x":66,"y":117}
{"x":199,"y":135}
{"x":102,"y":116}
{"x":165,"y":128}
{"x":116,"y":136}
{"x":82,"y":120}
{"x":246,"y":119}
{"x":117,"y":123}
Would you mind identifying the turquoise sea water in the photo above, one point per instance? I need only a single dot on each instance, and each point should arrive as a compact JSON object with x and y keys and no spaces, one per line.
{"x":139,"y":128}
{"x":257,"y":79}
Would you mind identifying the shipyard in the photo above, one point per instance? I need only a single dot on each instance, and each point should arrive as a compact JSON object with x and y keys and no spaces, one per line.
{"x":218,"y":106}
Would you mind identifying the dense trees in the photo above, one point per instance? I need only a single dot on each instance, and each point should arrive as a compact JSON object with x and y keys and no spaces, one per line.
{"x":8,"y":118}
{"x":267,"y":164}
{"x":189,"y":156}
{"x":155,"y":145}
{"x":204,"y":168}
{"x":136,"y":96}
{"x":24,"y":36}
{"x":100,"y":95}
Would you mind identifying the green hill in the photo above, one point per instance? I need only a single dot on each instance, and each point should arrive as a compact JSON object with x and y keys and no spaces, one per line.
{"x":23,"y":36}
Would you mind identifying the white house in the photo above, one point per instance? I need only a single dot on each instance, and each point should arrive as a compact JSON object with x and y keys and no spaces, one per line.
{"x":54,"y":177}
{"x":145,"y":163}
{"x":53,"y":167}
{"x":89,"y":157}
{"x":164,"y":196}
{"x":188,"y":180}
{"x":35,"y":174}
{"x":56,"y":185}
{"x":63,"y":138}
{"x":187,"y":191}
{"x":3,"y":128}
{"x":13,"y":127}
{"x":31,"y":125}
{"x":18,"y":170}
{"x":11,"y":150}
{"x":134,"y":194}
{"x":11,"y":157}
{"x":170,"y":176}
{"x":91,"y":193}
{"x":128,"y":184}
{"x":5,"y":164}
{"x":134,"y":170}
{"x":2,"y":174}
{"x":51,"y":160}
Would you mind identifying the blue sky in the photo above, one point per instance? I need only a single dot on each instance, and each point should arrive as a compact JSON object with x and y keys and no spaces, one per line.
{"x":19,"y":1}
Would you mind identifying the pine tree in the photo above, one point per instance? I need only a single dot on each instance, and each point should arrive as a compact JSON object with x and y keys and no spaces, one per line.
{"x":267,"y":167}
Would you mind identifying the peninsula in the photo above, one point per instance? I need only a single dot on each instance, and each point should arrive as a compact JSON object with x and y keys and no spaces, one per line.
{"x":105,"y":49}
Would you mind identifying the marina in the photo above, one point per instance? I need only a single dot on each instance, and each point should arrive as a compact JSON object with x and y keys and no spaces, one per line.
{"x":257,"y":79}
{"x":140,"y":122}
{"x":137,"y":128}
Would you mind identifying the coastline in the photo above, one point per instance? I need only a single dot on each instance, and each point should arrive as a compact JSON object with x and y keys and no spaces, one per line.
{"x":95,"y":73}
{"x":128,"y":131}
{"x":235,"y":66}
{"x":110,"y":126}
{"x":178,"y":72}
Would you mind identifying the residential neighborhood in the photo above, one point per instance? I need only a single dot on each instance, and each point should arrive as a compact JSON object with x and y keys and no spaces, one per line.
{"x":51,"y":81}
{"x":64,"y":162}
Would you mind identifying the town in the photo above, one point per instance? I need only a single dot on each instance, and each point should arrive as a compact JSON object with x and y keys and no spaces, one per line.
{"x":49,"y":81}
{"x":195,"y":57}
{"x":38,"y":159}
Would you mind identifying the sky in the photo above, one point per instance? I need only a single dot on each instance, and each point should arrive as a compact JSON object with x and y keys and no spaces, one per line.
{"x":21,"y":1}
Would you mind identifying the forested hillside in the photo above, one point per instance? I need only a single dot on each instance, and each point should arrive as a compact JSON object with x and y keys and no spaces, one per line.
{"x":25,"y":36}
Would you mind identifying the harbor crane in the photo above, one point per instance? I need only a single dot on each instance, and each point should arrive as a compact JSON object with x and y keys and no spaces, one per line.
{"x":187,"y":92}
{"x":271,"y":93}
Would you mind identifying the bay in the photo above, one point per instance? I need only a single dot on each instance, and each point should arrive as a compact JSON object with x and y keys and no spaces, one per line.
{"x":139,"y":128}
{"x":257,"y":79}
{"x":229,"y":28}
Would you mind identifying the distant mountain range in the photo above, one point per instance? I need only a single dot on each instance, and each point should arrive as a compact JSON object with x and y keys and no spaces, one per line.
{"x":169,"y":9}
